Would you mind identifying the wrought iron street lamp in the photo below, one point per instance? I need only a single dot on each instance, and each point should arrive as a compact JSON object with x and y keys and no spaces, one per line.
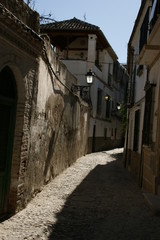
{"x":90,"y":77}
{"x":84,"y":89}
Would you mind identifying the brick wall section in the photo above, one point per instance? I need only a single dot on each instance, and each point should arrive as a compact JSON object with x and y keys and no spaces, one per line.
{"x":22,"y":136}
{"x":29,"y":80}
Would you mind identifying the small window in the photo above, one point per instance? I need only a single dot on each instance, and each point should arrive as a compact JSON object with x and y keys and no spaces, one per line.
{"x":136,"y":130}
{"x":109,"y":75}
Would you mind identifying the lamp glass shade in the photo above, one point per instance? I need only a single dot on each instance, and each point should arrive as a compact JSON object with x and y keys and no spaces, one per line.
{"x":89,"y":79}
{"x":106,"y":97}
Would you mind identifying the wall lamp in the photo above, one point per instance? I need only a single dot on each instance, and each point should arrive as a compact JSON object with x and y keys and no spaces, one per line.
{"x":107,"y":98}
{"x":90,"y":76}
{"x":84,"y":89}
{"x":118,"y":106}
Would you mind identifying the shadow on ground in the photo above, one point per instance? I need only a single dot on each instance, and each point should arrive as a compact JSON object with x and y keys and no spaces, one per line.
{"x":107,"y":205}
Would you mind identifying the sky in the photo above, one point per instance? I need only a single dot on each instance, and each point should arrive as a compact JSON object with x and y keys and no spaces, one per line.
{"x":115,"y":18}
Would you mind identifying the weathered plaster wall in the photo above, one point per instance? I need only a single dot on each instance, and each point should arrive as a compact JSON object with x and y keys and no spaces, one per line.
{"x":51,"y":128}
{"x":59,"y":127}
{"x":51,"y":125}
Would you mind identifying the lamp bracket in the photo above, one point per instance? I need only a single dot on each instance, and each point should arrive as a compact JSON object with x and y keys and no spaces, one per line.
{"x":84,"y":91}
{"x":78,"y":88}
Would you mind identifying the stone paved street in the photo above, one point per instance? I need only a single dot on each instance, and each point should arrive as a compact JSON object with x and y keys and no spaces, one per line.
{"x":94,"y":199}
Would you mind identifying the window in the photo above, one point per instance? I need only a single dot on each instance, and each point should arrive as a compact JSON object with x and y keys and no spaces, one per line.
{"x":99,"y":102}
{"x":109,"y":75}
{"x":136,"y":130}
{"x":147,"y":116}
{"x":144,"y":31}
{"x":132,"y":86}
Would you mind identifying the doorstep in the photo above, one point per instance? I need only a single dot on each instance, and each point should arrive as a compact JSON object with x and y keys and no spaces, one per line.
{"x":153,"y":201}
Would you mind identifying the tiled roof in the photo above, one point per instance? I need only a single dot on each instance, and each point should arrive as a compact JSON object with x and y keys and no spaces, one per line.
{"x":72,"y":24}
{"x":75,"y":27}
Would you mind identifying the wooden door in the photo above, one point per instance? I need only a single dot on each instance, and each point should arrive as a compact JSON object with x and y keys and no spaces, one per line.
{"x":7,"y":122}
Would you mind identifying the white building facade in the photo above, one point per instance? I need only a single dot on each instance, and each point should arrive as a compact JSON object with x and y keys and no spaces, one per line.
{"x":83,"y":47}
{"x":142,"y":138}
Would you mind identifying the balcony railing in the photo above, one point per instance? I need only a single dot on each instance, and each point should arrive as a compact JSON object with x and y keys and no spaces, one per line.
{"x":149,"y":46}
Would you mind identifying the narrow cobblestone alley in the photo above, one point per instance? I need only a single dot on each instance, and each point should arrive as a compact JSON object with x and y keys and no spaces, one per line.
{"x":96,"y":198}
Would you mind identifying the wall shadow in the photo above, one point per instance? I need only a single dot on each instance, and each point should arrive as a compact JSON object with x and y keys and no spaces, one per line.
{"x":107,"y":205}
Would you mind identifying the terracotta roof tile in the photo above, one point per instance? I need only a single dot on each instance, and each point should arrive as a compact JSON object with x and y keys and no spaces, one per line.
{"x":71,"y":24}
{"x":75,"y":26}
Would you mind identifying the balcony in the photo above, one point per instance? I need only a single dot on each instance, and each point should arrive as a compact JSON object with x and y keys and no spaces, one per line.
{"x":151,"y":49}
{"x":149,"y":54}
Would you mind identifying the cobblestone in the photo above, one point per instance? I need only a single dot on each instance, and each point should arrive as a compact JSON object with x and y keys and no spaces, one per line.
{"x":95,"y":198}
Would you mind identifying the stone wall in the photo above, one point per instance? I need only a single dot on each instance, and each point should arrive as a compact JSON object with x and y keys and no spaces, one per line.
{"x":149,"y":179}
{"x":132,"y":161}
{"x":58,"y":131}
{"x":24,"y":68}
{"x":51,"y":125}
{"x":23,"y":13}
{"x":51,"y":129}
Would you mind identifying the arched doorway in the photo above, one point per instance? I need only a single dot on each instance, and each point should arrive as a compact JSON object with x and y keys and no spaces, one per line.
{"x":8,"y":100}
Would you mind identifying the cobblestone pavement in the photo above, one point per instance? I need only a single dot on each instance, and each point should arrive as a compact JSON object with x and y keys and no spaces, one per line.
{"x":94,"y":199}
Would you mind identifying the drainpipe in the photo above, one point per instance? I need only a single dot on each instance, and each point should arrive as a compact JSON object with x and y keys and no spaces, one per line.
{"x":125,"y":158}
